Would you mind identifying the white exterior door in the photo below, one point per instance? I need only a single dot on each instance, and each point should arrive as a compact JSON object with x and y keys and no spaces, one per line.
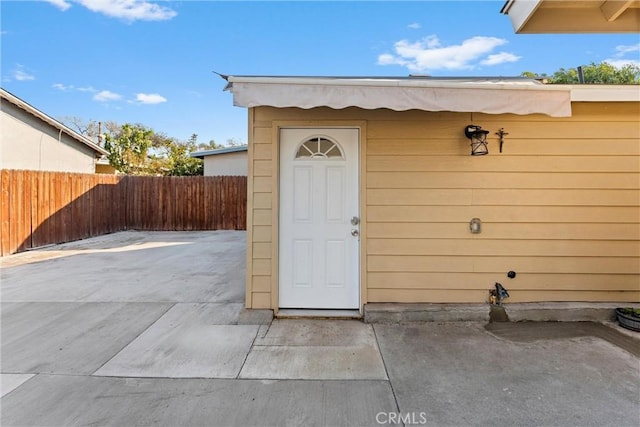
{"x":319,"y":219}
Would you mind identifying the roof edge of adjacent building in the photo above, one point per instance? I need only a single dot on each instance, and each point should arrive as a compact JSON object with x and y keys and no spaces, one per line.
{"x":217,"y":151}
{"x":13,"y":99}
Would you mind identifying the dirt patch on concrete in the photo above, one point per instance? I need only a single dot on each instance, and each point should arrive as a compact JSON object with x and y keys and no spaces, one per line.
{"x":535,"y":331}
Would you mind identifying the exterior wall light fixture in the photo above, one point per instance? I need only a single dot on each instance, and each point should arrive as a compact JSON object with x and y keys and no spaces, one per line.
{"x":478,"y":138}
{"x":475,"y":226}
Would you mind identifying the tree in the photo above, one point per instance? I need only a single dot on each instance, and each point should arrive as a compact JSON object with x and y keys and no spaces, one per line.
{"x":233,"y":142}
{"x":179,"y":162}
{"x":202,"y":146}
{"x":603,"y":73}
{"x":129,"y":149}
{"x":91,"y":128}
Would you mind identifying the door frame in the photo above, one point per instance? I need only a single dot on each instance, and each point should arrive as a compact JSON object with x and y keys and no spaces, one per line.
{"x":275,"y":201}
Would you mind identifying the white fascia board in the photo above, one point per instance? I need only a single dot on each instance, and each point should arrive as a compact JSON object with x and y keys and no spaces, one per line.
{"x":383,"y":82}
{"x":520,"y":11}
{"x":605,"y":93}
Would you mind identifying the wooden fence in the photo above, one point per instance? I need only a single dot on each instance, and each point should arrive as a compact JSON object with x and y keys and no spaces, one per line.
{"x":41,"y":208}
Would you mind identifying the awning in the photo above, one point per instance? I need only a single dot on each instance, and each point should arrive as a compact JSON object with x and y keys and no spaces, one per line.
{"x":492,"y":96}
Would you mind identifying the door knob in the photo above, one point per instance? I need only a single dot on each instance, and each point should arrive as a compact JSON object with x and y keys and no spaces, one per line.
{"x":355,"y":233}
{"x":355,"y":220}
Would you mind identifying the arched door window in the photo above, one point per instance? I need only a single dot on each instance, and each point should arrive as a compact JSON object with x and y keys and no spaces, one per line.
{"x":319,"y":147}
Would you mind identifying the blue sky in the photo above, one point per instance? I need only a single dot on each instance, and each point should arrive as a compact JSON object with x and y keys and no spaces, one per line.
{"x":152,"y":62}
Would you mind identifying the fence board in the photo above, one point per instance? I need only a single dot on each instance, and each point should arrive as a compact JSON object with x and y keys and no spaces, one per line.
{"x":18,"y":225}
{"x":4,"y":212}
{"x":40,"y":208}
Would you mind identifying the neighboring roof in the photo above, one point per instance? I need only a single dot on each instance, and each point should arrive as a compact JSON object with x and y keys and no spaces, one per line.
{"x":493,"y":95}
{"x":217,"y":151}
{"x":7,"y":96}
{"x":573,"y":16}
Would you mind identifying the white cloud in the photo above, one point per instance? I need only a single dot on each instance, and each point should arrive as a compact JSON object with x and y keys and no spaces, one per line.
{"x":429,"y":54}
{"x":621,"y":51}
{"x":150,"y":98}
{"x":620,"y":63}
{"x":500,"y":58}
{"x":130,"y":10}
{"x":60,"y":4}
{"x":61,"y":87}
{"x":414,"y":26}
{"x":65,"y":88}
{"x":105,"y":96}
{"x":22,"y":76}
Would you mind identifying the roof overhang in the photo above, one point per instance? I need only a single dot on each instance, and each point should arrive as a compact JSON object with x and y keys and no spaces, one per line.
{"x":492,"y":96}
{"x":218,"y":151}
{"x":9,"y":97}
{"x":573,"y":16}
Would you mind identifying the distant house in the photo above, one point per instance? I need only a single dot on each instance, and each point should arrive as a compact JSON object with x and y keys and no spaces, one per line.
{"x":224,"y":161}
{"x":30,"y":139}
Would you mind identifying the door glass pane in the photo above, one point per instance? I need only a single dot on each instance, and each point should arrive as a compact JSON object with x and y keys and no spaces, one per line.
{"x":319,"y":148}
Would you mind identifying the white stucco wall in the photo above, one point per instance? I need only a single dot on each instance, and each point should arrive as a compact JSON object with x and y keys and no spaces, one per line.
{"x":26,"y":142}
{"x":226,"y":164}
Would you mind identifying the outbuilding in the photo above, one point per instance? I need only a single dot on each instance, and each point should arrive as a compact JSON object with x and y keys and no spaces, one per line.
{"x":224,"y":161}
{"x":365,"y":190}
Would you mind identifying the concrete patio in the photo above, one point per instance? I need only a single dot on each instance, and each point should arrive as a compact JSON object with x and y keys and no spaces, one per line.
{"x":139,"y":328}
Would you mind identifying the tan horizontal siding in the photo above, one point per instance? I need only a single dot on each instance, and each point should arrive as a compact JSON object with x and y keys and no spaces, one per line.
{"x":503,"y":197}
{"x":499,"y":264}
{"x":262,"y":284}
{"x":500,"y":247}
{"x":262,"y":250}
{"x":511,"y":146}
{"x":260,"y":300}
{"x":483,"y":281}
{"x":506,"y":231}
{"x":259,"y":270}
{"x":497,"y":179}
{"x":262,"y":184}
{"x":550,"y":214}
{"x":262,"y":217}
{"x":560,"y":205}
{"x":548,"y":129}
{"x":262,"y":151}
{"x":502,"y":163}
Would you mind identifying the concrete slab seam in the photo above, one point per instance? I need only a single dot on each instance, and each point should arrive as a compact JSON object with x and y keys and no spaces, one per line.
{"x":134,"y":338}
{"x":246,"y":356}
{"x":386,"y":371}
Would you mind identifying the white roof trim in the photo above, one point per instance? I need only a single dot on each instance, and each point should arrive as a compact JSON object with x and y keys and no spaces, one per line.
{"x":605,"y":93}
{"x":51,"y":121}
{"x":218,"y":151}
{"x":492,"y":97}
